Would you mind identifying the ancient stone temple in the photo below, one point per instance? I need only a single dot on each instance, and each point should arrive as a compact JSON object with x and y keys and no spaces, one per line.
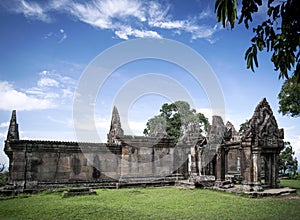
{"x":261,"y":147}
{"x":155,"y":160}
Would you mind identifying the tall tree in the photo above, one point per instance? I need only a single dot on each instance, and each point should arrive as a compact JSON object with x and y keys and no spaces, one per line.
{"x":289,"y":98}
{"x":278,"y":34}
{"x":174,"y":116}
{"x":287,"y":162}
{"x":244,"y":127}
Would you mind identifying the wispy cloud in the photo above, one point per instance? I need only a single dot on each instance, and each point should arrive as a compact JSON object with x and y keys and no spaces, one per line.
{"x":51,"y":90}
{"x":47,"y":82}
{"x":63,"y":35}
{"x":60,"y":36}
{"x":30,"y":10}
{"x":126,"y":18}
{"x":159,"y":17}
{"x":207,"y":13}
{"x":11,"y":98}
{"x":126,"y":32}
{"x":2,"y":136}
{"x":4,"y":124}
{"x":53,"y":85}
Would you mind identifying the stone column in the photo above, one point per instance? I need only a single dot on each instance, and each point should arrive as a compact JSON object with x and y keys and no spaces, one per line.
{"x":200,"y":161}
{"x":211,"y":169}
{"x":277,"y":181}
{"x":256,"y":169}
{"x":220,"y":166}
{"x":189,"y":163}
{"x":226,"y":160}
{"x":246,"y":164}
{"x":267,"y":171}
{"x":273,"y":177}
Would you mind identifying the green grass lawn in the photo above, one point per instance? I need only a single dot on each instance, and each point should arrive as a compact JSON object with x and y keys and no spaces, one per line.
{"x":150,"y":203}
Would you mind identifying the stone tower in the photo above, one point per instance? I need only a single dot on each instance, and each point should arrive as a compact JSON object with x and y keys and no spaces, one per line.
{"x":13,"y":130}
{"x":263,"y":142}
{"x":116,"y":132}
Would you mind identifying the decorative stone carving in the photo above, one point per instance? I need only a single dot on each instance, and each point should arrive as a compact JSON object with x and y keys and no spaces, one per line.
{"x":190,"y":133}
{"x":159,"y":131}
{"x":13,"y":130}
{"x":215,"y":138}
{"x":116,"y":130}
{"x":262,"y":139}
{"x":151,"y":158}
{"x":231,"y":134}
{"x":263,"y":123}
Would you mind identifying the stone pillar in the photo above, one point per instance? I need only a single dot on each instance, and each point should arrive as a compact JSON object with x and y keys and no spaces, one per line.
{"x":246,"y":163}
{"x":267,"y":171}
{"x":277,"y":181}
{"x":273,"y":177}
{"x":189,"y":163}
{"x":226,"y":160}
{"x":200,"y":161}
{"x":256,"y":168}
{"x":220,"y":166}
{"x":211,"y":169}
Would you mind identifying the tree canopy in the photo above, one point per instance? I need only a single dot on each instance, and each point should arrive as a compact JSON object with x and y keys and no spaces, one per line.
{"x":244,"y":127}
{"x":289,"y":98}
{"x":278,"y":34}
{"x":173,"y":117}
{"x":287,"y":163}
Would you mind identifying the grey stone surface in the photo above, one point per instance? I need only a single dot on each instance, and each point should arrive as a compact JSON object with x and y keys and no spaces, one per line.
{"x":135,"y":160}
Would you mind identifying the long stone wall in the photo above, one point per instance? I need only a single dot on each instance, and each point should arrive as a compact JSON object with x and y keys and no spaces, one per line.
{"x":33,"y":163}
{"x":137,"y":158}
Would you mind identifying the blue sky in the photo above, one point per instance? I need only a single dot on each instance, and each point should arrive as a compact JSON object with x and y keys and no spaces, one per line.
{"x":47,"y":45}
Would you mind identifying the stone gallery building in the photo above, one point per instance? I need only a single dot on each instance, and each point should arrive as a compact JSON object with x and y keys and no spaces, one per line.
{"x":156,"y":160}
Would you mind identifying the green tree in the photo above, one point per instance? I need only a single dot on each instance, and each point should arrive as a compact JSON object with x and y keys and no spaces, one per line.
{"x":287,"y":162}
{"x":3,"y":175}
{"x":278,"y":34}
{"x":289,"y":98}
{"x":244,"y":127}
{"x":2,"y":167}
{"x":174,"y":116}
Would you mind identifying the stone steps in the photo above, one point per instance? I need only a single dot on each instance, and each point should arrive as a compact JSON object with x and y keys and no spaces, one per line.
{"x":272,"y":192}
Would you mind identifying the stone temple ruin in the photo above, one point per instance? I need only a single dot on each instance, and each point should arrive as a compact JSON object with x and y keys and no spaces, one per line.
{"x":219,"y":159}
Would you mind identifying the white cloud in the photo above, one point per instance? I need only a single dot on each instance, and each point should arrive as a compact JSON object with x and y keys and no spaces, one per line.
{"x":4,"y":124}
{"x":102,"y":123}
{"x":102,"y":14}
{"x":60,"y":36}
{"x":126,"y":18}
{"x":137,"y":127}
{"x":14,"y":99}
{"x":47,"y":82}
{"x":207,"y":13}
{"x":68,"y":92}
{"x":63,"y":37}
{"x":125,"y":32}
{"x":160,"y":18}
{"x":121,"y":8}
{"x":2,"y":135}
{"x":207,"y":113}
{"x":43,"y":73}
{"x":52,"y":90}
{"x":65,"y":121}
{"x":52,"y":85}
{"x":31,"y":10}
